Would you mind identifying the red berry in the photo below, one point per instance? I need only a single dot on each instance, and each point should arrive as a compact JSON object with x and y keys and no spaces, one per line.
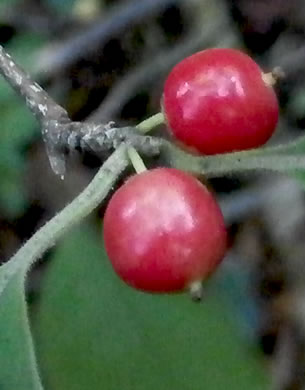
{"x":163,"y":230}
{"x":217,"y":101}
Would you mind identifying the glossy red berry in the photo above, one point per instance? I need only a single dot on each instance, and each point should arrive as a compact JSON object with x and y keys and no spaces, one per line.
{"x":163,"y":230}
{"x":217,"y":101}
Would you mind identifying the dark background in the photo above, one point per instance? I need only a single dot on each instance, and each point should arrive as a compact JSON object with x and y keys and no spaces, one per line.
{"x":107,"y":60}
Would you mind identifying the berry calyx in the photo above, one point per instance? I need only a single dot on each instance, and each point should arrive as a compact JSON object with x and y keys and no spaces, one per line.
{"x":164,"y":231}
{"x":217,"y":101}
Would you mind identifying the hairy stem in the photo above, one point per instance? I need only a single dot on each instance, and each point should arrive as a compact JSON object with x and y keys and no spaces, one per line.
{"x":288,"y":158}
{"x":80,"y":207}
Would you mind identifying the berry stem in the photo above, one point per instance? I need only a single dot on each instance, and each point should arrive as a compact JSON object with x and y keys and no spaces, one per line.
{"x":150,"y":123}
{"x":136,"y":160}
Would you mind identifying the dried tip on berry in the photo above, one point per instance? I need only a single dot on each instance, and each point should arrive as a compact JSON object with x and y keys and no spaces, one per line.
{"x":271,"y":78}
{"x":196,"y":291}
{"x":182,"y":235}
{"x":235,"y":106}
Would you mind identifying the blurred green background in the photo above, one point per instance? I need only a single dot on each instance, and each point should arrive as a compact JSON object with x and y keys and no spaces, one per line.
{"x":107,"y":60}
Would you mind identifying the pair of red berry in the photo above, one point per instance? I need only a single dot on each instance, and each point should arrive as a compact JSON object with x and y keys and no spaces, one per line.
{"x":163,"y":229}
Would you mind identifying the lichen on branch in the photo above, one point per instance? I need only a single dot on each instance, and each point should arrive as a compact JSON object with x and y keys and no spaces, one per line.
{"x":59,"y":133}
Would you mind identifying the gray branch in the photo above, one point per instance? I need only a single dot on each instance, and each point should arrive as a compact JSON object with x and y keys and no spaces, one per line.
{"x":60,"y":134}
{"x":38,"y":101}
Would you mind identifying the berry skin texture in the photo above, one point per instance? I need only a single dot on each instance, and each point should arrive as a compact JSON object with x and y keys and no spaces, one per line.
{"x":163,"y":230}
{"x":216,"y":101}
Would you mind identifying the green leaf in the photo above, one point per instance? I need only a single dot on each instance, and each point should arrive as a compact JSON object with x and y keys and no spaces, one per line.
{"x":63,"y":7}
{"x":13,"y":199}
{"x":6,"y":4}
{"x":15,"y":331}
{"x":296,"y":103}
{"x":25,"y":47}
{"x":94,"y":332}
{"x":18,"y":128}
{"x":18,"y":369}
{"x":300,"y":176}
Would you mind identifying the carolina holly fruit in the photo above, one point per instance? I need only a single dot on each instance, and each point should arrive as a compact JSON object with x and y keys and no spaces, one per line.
{"x":218,"y":101}
{"x":164,"y":231}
